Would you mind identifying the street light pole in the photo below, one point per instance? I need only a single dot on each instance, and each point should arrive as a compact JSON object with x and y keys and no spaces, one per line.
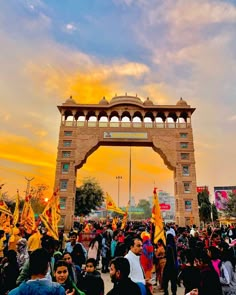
{"x":118,"y":200}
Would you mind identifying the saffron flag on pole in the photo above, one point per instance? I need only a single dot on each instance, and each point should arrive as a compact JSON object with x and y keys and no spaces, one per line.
{"x":110,"y":205}
{"x":3,"y":206}
{"x":16,"y":213}
{"x":51,"y":215}
{"x":125,"y":217}
{"x":156,"y":219}
{"x":27,"y":216}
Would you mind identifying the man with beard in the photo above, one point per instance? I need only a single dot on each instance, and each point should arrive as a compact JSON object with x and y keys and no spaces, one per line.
{"x":119,"y":273}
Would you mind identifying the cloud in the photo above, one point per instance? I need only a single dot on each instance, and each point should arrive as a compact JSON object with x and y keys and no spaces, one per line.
{"x":232,"y":118}
{"x":70,"y":28}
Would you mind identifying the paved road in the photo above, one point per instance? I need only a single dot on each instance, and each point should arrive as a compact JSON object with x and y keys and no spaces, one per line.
{"x":109,"y":285}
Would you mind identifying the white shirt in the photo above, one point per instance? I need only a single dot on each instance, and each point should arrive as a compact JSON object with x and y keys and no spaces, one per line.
{"x":136,"y":272}
{"x":171,"y":231}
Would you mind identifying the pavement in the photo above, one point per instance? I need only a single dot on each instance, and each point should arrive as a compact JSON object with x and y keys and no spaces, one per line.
{"x":109,"y":285}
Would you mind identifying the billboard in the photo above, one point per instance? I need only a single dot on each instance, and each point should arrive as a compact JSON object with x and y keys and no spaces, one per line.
{"x":167,"y":206}
{"x":200,"y":189}
{"x":222,"y":195}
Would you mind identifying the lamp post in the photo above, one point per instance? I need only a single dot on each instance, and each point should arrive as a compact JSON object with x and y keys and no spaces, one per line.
{"x":118,"y":200}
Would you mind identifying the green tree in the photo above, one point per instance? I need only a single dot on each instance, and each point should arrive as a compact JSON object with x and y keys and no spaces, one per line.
{"x":230,"y":210}
{"x":204,"y":206}
{"x":89,"y":196}
{"x":145,"y":205}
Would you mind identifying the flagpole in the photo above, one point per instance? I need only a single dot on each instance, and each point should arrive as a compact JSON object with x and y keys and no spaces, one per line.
{"x":130,"y":167}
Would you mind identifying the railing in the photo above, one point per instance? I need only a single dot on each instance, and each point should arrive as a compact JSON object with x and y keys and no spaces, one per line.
{"x":169,"y":125}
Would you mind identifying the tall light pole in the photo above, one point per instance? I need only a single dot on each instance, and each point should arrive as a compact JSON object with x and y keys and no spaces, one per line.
{"x":118,"y":200}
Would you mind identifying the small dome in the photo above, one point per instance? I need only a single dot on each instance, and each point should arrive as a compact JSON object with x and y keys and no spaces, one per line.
{"x":181,"y":102}
{"x":70,"y":100}
{"x":126,"y":99}
{"x":103,"y":101}
{"x":148,"y":102}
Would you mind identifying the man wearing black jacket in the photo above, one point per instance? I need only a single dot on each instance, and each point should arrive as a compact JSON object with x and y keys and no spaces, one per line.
{"x":119,"y":273}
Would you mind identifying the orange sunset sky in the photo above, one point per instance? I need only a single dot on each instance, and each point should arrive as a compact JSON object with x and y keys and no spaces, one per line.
{"x":89,"y":49}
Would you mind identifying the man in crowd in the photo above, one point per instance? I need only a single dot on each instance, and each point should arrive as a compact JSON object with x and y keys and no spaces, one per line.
{"x":38,"y":284}
{"x":119,"y":273}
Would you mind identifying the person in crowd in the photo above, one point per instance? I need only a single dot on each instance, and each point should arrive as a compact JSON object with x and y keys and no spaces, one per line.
{"x":2,"y":244}
{"x":215,"y":239}
{"x":95,"y":248}
{"x":171,"y":266}
{"x":105,"y":251}
{"x":74,"y":270}
{"x":214,"y":254}
{"x":190,"y":274}
{"x":160,"y":255}
{"x":34,"y":241}
{"x":22,"y":252}
{"x":61,"y":276}
{"x":114,"y":242}
{"x":119,"y":273}
{"x":91,"y":281}
{"x":78,"y":255}
{"x":14,"y":238}
{"x":227,"y":274}
{"x":146,"y":257}
{"x":209,"y":279}
{"x":38,"y":283}
{"x":48,"y":244}
{"x":9,"y":272}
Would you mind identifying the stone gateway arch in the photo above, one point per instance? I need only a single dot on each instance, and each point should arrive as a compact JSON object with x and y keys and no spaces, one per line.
{"x":127,"y":121}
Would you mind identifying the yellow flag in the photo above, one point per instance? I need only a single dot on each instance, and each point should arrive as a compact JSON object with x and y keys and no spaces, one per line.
{"x":27,"y":216}
{"x":157,"y":219}
{"x":17,"y":210}
{"x":3,"y":206}
{"x":125,"y":217}
{"x":51,"y":215}
{"x":114,"y":223}
{"x":110,"y":205}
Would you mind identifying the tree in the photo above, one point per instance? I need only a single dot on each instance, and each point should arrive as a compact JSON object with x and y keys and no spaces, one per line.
{"x":89,"y":196}
{"x":204,"y":206}
{"x":145,"y":205}
{"x":230,"y":210}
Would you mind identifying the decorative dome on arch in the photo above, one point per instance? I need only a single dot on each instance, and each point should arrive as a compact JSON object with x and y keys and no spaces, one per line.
{"x":148,"y":102}
{"x":70,"y":100}
{"x":126,"y":99}
{"x":181,"y":102}
{"x":103,"y":101}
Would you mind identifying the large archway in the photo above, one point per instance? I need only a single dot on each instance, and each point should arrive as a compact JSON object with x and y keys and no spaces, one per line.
{"x":127,"y":121}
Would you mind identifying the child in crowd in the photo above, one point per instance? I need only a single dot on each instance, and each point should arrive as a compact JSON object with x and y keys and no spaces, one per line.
{"x":91,"y":282}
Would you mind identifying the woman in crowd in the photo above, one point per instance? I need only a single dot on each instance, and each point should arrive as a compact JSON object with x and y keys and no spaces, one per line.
{"x":171,"y":266}
{"x":94,"y":248}
{"x":74,"y":270}
{"x":61,"y":275}
{"x":78,"y":255}
{"x":22,"y":252}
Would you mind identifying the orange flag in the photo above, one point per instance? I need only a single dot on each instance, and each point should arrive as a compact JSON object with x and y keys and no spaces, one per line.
{"x":27,"y":216}
{"x":51,"y":215}
{"x":156,"y":219}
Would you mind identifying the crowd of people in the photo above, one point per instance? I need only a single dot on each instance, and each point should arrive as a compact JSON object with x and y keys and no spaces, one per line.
{"x":201,"y":260}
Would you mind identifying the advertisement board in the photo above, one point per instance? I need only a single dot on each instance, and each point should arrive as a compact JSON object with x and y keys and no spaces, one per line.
{"x":221,"y":194}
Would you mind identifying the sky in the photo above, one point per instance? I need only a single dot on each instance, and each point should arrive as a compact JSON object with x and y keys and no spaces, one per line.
{"x":164,"y":50}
